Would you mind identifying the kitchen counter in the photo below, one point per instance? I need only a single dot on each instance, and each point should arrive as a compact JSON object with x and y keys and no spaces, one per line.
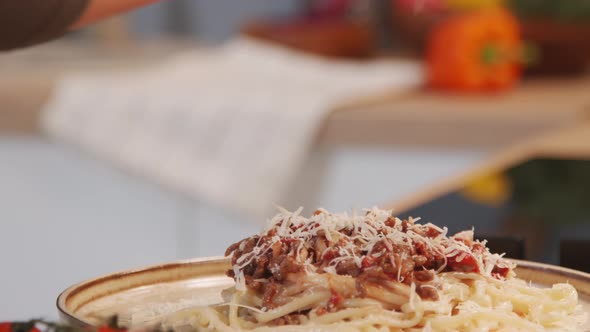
{"x":413,"y":118}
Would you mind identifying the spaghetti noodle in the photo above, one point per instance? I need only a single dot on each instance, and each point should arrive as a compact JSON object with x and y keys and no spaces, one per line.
{"x":376,"y":272}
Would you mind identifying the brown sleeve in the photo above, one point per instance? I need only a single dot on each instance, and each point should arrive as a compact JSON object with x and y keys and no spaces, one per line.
{"x":29,"y":22}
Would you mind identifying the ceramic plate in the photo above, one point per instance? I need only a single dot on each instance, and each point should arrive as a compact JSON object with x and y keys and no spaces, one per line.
{"x":137,"y":296}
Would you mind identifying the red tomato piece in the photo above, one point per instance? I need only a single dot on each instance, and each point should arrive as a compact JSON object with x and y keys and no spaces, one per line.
{"x":6,"y":327}
{"x":467,"y":264}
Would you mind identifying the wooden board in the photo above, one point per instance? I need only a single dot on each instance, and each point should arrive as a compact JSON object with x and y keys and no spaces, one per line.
{"x":569,"y":143}
{"x":430,"y":118}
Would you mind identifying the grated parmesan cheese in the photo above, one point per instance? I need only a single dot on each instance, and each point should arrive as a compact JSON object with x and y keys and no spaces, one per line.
{"x":354,"y":238}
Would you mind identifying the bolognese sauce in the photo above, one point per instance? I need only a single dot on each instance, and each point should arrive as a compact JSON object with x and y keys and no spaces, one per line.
{"x":377,"y":251}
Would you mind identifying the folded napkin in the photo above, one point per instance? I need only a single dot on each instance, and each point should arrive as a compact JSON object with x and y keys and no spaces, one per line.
{"x":230,"y":126}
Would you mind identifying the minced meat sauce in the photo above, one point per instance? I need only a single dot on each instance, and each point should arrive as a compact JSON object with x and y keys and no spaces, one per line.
{"x":373,"y":248}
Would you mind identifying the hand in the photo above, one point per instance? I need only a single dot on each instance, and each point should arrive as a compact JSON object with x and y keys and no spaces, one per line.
{"x":101,"y":9}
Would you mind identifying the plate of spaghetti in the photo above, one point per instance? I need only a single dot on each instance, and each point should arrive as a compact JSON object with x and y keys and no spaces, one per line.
{"x":329,"y":271}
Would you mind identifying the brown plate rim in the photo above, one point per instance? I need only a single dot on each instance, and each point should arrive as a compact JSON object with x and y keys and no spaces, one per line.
{"x":67,"y":315}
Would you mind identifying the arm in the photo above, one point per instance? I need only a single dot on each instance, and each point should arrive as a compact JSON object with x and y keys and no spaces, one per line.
{"x":100,"y":9}
{"x":30,"y":22}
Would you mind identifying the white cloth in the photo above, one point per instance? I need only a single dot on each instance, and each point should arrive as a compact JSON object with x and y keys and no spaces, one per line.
{"x":230,"y":126}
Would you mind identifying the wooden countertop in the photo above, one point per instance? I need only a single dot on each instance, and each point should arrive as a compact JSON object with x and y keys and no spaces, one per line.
{"x":567,"y":143}
{"x":429,"y":118}
{"x":410,"y":118}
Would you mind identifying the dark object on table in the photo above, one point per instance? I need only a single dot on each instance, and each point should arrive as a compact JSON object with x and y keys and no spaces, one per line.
{"x":332,"y":28}
{"x":574,"y":254}
{"x":564,"y":48}
{"x":331,"y":37}
{"x":513,"y":247}
{"x":560,"y":30}
{"x":412,"y":28}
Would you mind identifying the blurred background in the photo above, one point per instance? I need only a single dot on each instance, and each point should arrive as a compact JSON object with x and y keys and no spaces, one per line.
{"x":170,"y":133}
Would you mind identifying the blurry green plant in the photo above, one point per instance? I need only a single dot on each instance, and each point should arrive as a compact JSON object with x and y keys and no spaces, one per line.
{"x":563,"y":10}
{"x":553,"y":191}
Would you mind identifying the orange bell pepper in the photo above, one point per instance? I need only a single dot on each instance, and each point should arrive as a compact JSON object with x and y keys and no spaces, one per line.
{"x":475,"y":51}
